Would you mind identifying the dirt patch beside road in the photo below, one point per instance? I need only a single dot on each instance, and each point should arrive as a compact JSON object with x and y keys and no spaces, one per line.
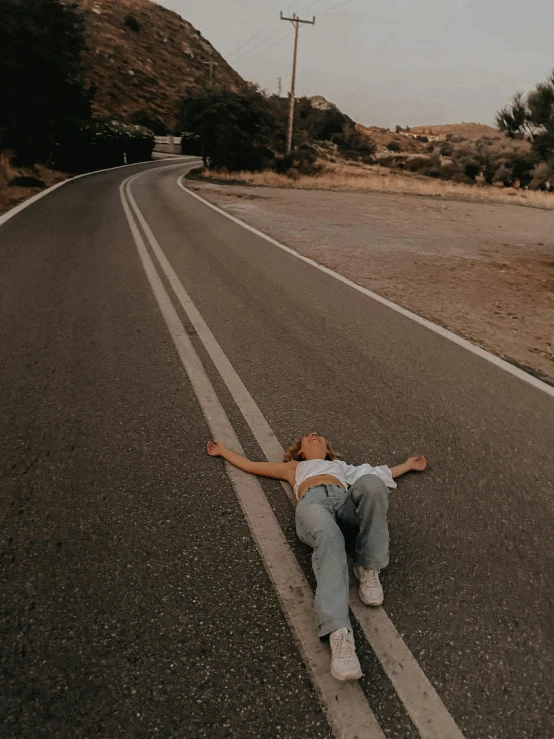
{"x":484,"y":271}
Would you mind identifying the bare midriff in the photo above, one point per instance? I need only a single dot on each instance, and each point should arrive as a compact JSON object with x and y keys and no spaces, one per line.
{"x":318,"y":480}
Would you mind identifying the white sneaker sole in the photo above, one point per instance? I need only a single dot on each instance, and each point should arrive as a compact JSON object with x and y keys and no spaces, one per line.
{"x":344,"y":676}
{"x":373,"y":603}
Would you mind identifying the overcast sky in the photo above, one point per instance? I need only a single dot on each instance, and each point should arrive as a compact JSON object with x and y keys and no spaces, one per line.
{"x":388,"y":62}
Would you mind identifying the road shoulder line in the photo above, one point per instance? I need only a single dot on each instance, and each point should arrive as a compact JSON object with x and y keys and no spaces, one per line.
{"x":473,"y":348}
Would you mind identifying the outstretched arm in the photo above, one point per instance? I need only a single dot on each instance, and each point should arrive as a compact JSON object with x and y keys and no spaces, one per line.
{"x":418,"y":464}
{"x":277,"y":470}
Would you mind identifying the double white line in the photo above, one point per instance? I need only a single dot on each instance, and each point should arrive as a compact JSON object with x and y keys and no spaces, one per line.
{"x":346,"y":707}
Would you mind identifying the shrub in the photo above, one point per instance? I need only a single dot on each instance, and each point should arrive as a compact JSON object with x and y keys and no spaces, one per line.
{"x":132,"y":23}
{"x":41,"y":83}
{"x":417,"y":164}
{"x":353,"y":144}
{"x":151,"y":121}
{"x":503,"y":176}
{"x":25,"y":181}
{"x":543,"y":177}
{"x":236,"y":129}
{"x":301,"y":162}
{"x":87,"y":145}
{"x":394,"y":146}
{"x":191,"y":144}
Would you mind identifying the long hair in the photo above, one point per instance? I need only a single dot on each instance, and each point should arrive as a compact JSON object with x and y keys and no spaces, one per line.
{"x":293,"y":453}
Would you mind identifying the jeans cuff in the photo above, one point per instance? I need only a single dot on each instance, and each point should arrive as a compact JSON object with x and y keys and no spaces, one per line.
{"x":373,"y":565}
{"x":331,"y":625}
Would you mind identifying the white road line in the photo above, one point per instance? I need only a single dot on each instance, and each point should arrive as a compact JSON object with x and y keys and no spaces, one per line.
{"x":418,"y":696}
{"x":512,"y":369}
{"x":344,"y":703}
{"x":18,"y":208}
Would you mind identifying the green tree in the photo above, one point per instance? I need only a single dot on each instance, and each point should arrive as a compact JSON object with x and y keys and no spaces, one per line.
{"x":41,"y":87}
{"x":237,"y":130}
{"x":533,"y":116}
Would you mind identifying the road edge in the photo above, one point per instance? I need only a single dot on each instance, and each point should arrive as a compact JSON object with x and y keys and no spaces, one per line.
{"x":445,"y":333}
{"x":5,"y":217}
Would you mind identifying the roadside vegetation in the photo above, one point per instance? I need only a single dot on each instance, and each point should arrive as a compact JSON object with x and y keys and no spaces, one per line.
{"x":349,"y":177}
{"x":241,"y":137}
{"x":46,"y":124}
{"x":247,"y":131}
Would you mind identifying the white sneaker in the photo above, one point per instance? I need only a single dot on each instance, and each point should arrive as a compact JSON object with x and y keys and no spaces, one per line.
{"x":344,"y":662}
{"x":371,"y":590}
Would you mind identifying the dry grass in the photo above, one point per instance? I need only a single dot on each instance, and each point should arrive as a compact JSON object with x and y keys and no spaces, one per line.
{"x":376,"y":179}
{"x":466,"y":130}
{"x":7,"y":171}
{"x":12,"y":195}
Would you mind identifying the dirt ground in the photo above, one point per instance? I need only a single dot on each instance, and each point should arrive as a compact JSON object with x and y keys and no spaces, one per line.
{"x":11,"y":195}
{"x":484,"y":271}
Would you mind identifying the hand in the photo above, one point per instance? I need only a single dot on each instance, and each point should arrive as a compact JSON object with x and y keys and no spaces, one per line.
{"x":417,"y":463}
{"x":215,"y":448}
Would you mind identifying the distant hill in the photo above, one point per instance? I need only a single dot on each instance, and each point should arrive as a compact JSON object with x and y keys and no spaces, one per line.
{"x":466,"y":130}
{"x":142,"y":57}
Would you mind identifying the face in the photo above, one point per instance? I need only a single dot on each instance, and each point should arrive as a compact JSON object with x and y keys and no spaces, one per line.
{"x":313,"y":446}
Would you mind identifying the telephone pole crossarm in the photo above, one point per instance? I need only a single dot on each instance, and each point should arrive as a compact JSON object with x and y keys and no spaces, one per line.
{"x":296,"y":19}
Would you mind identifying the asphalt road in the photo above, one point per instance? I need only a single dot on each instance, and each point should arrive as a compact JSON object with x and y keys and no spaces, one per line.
{"x":134,"y":600}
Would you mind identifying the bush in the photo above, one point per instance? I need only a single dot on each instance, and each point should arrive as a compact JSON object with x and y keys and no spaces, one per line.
{"x":191,"y":144}
{"x":417,"y":164}
{"x":26,"y":181}
{"x":352,"y":144}
{"x":543,"y":177}
{"x":41,"y":84}
{"x":301,"y":162}
{"x":132,"y":23}
{"x":151,"y":121}
{"x":394,"y":146}
{"x":88,"y":145}
{"x":236,"y":130}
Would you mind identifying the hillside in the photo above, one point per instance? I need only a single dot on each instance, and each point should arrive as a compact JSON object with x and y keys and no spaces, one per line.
{"x":465,"y":130}
{"x":142,"y":57}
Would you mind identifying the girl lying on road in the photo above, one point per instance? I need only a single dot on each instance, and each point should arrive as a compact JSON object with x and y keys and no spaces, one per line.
{"x":332,"y":496}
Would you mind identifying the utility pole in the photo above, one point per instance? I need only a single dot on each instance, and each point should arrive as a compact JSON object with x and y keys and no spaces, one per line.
{"x":211,"y":66}
{"x":296,"y":21}
{"x":280,"y":85}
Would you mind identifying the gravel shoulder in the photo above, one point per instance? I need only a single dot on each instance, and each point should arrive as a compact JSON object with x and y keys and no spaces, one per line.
{"x":484,"y":271}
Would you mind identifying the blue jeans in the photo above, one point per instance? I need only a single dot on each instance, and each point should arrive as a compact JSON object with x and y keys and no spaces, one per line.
{"x":322,"y":514}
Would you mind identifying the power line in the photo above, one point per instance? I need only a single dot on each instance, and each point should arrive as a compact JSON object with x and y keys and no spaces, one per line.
{"x":261,"y":51}
{"x":242,"y":47}
{"x":247,"y":43}
{"x":305,"y":7}
{"x":334,"y":7}
{"x":262,"y":41}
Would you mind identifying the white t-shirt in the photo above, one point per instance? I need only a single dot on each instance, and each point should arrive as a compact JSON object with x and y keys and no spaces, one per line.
{"x":346,"y":473}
